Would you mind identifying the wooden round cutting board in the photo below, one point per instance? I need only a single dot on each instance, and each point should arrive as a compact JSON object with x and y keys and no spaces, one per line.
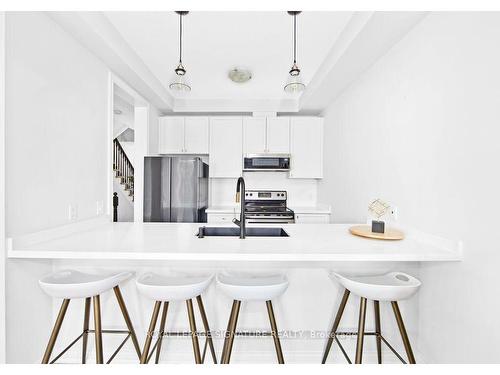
{"x":366,"y":231}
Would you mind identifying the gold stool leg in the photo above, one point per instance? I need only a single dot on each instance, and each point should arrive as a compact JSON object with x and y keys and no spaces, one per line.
{"x":232,"y":331}
{"x":274,"y":332}
{"x":55,"y":331}
{"x":151,"y":330}
{"x":402,"y":330}
{"x":162,"y":330}
{"x":226,"y":336}
{"x":194,"y":333}
{"x":98,"y":329}
{"x":85,"y":336}
{"x":126,"y":316}
{"x":361,"y":330}
{"x":207,"y":328}
{"x":336,"y":323}
{"x":378,"y":333}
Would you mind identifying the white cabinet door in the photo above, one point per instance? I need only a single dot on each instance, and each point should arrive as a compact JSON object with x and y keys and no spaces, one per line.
{"x":306,"y":147}
{"x":312,"y":218}
{"x":196,"y":135}
{"x":220,"y":218}
{"x":226,"y":147}
{"x":254,"y":135}
{"x":171,"y":134}
{"x":278,"y":135}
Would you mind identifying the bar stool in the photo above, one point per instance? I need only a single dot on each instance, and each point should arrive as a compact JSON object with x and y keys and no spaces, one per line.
{"x":251,"y":288}
{"x":393,"y":287}
{"x":166,"y":289}
{"x":70,"y":284}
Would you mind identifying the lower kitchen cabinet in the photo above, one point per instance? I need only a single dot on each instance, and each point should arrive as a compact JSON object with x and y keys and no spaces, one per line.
{"x":312,"y":218}
{"x":220,"y":218}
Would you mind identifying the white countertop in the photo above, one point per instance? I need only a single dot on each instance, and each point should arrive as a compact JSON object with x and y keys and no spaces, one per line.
{"x":177,"y":241}
{"x":223,"y":209}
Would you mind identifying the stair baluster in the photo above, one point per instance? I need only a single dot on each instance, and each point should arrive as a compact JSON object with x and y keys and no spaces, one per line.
{"x":123,"y":168}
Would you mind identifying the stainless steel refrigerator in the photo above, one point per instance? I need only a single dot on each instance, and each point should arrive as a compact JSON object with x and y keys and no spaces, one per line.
{"x":175,"y":189}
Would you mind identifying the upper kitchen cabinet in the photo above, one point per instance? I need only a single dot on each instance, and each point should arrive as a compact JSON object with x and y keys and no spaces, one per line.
{"x":196,"y":135}
{"x":306,"y":147}
{"x":183,"y":135}
{"x":254,"y":135}
{"x":266,"y":135}
{"x":278,"y":135}
{"x":171,"y":135}
{"x":226,"y":147}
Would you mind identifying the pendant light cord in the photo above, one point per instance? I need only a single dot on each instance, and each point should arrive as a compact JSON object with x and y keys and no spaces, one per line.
{"x":295,"y":38}
{"x":180,"y":38}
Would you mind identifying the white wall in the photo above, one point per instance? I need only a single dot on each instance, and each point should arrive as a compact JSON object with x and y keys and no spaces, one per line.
{"x":56,"y":131}
{"x":56,"y":125}
{"x":421,"y":129}
{"x":2,"y":187}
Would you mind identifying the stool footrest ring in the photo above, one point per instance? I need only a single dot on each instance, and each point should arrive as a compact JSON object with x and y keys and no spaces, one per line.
{"x":112,"y":331}
{"x":365,"y":334}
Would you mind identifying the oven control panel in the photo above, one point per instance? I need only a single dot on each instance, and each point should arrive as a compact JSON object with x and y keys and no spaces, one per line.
{"x":265,"y":195}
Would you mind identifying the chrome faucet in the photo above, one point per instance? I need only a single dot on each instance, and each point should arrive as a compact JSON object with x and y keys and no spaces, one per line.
{"x":240,"y":197}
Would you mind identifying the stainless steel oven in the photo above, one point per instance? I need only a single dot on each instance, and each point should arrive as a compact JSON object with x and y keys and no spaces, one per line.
{"x":266,"y":162}
{"x":267,"y":207}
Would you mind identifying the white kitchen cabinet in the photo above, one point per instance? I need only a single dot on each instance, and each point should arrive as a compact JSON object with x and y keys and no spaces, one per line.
{"x":254,"y":135}
{"x":306,"y":147}
{"x":278,"y":135}
{"x":183,"y":135}
{"x":312,"y":218}
{"x":221,"y":218}
{"x":226,"y":147}
{"x":263,"y":135}
{"x":171,"y":135}
{"x":196,"y":135}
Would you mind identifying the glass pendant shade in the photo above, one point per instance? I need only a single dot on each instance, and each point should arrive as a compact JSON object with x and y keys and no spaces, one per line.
{"x":180,"y":84}
{"x":294,"y":84}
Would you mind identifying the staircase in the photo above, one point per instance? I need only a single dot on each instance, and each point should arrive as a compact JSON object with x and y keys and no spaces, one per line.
{"x":123,"y":169}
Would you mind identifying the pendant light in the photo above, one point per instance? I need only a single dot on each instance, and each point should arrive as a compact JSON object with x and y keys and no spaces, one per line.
{"x":180,"y":84}
{"x":294,"y":83}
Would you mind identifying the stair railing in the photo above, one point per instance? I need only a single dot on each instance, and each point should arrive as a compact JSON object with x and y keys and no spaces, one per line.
{"x":123,"y":168}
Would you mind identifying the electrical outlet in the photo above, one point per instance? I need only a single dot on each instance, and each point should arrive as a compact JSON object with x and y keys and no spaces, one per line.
{"x":99,"y":208}
{"x":72,"y":212}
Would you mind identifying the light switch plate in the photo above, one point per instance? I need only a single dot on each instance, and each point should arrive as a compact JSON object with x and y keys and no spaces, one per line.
{"x":72,"y":212}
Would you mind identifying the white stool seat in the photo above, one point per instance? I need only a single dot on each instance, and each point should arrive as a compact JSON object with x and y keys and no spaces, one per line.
{"x":172,"y":288}
{"x":252,"y":287}
{"x":393,"y":286}
{"x":70,"y":284}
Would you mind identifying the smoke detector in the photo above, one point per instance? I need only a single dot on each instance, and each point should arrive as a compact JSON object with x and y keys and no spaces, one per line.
{"x":240,"y":75}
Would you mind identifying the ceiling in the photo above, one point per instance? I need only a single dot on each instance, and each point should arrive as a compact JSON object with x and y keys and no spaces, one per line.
{"x":215,"y":42}
{"x":334,"y":50}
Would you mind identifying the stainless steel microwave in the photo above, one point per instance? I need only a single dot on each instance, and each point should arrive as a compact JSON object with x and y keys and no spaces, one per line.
{"x":266,"y":162}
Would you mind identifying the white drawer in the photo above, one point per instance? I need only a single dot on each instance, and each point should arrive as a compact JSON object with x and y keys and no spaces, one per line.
{"x":220,"y":218}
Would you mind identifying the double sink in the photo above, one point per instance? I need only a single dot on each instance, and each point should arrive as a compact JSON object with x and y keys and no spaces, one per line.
{"x":235,"y":232}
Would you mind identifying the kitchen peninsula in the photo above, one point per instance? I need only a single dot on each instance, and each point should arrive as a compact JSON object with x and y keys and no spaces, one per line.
{"x":178,"y":242}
